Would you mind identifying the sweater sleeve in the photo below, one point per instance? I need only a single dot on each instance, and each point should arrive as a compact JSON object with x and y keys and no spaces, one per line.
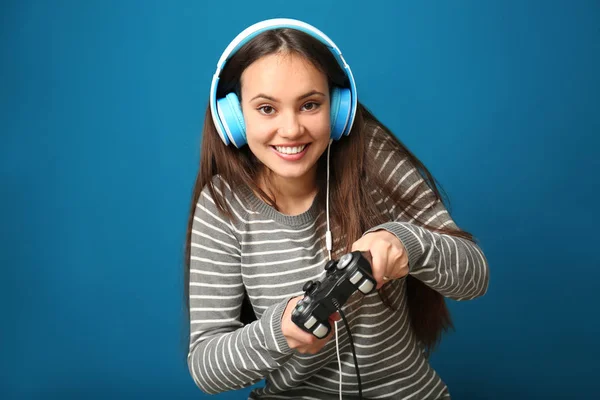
{"x":224,"y":354}
{"x":453,"y":266}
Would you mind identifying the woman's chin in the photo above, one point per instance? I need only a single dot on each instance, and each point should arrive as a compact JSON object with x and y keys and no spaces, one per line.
{"x":296,"y":173}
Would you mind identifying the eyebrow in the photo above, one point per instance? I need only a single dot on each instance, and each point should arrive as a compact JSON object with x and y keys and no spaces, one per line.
{"x":264,"y":96}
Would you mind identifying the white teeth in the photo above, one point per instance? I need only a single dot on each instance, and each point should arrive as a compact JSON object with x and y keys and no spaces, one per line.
{"x":290,"y":150}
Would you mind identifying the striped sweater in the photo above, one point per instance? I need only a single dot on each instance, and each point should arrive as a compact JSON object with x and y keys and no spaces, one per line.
{"x":270,"y":256}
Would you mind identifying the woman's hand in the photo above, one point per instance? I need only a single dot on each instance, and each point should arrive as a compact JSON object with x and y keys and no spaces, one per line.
{"x":300,"y":340}
{"x":389,"y":259}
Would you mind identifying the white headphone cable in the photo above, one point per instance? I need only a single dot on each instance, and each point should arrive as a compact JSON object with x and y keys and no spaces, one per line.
{"x":328,"y":243}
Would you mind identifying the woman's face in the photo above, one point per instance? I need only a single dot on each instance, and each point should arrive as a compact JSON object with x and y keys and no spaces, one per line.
{"x":285,"y":102}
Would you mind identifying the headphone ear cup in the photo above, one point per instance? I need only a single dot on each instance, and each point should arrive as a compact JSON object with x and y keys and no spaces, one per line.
{"x":232,"y":118}
{"x":340,"y":105}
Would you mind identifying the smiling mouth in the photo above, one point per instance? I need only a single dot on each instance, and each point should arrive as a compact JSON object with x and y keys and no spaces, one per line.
{"x":290,"y":150}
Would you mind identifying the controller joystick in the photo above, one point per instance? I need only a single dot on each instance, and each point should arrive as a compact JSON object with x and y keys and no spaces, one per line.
{"x":308,"y":286}
{"x":330,"y":266}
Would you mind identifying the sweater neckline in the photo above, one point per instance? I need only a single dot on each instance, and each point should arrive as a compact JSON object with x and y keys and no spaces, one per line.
{"x":260,"y":206}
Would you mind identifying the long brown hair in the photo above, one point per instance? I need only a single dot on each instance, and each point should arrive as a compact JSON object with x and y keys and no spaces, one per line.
{"x":350,"y":169}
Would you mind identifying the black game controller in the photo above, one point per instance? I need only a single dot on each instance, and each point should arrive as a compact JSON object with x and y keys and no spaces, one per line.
{"x":350,"y":273}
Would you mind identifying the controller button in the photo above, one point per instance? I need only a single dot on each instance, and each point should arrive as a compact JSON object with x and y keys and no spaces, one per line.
{"x":321,"y":331}
{"x":366,"y":286}
{"x":308,"y":286}
{"x":316,"y":286}
{"x":310,"y":323}
{"x":299,"y":308}
{"x":330,"y":265}
{"x":344,"y":261}
{"x":356,"y":277}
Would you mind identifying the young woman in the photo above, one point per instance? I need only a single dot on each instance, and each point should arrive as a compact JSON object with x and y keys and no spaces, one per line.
{"x":294,"y":171}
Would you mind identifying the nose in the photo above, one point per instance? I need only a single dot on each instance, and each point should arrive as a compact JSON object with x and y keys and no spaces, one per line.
{"x":290,"y":125}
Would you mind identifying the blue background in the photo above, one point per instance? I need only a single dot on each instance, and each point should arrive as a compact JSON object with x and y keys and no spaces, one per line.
{"x":101,"y":110}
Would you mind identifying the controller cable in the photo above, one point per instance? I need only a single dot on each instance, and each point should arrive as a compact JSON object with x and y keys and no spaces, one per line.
{"x":339,"y":308}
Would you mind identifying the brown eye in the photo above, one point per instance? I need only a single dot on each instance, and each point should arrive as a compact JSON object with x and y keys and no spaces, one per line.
{"x":311,"y":106}
{"x":266,"y":110}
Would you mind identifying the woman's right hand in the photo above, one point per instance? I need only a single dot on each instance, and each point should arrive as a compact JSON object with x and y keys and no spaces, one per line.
{"x":300,"y":340}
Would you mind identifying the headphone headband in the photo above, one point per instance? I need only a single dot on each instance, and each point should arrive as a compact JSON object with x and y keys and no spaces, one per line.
{"x":256,"y":29}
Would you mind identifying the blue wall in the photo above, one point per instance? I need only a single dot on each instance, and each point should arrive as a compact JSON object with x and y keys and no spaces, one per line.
{"x":101,"y":109}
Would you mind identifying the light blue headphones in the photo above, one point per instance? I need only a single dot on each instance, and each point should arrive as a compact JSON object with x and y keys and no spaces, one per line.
{"x":227,"y":111}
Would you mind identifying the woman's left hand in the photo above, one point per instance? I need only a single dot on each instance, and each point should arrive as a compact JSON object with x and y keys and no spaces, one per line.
{"x":389,"y":259}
